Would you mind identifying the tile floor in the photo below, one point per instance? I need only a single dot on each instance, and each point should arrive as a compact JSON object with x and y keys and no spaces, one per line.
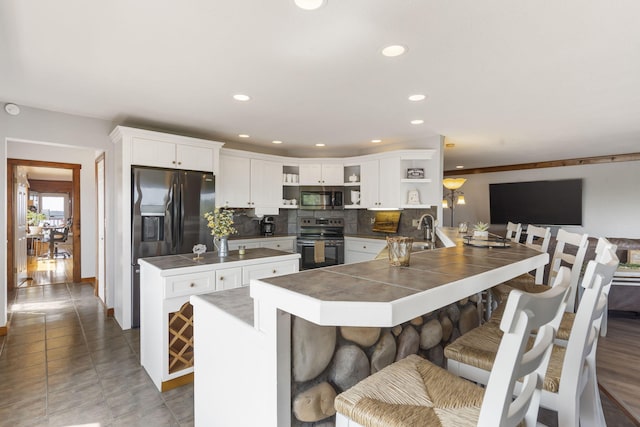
{"x":64,"y":364}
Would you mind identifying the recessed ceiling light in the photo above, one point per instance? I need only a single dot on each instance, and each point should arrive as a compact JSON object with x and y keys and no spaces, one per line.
{"x":375,"y":141}
{"x":241,"y":97}
{"x":459,"y":167}
{"x":243,"y":135}
{"x":276,"y":142}
{"x":320,"y":145}
{"x":309,"y":4}
{"x":417,"y":97}
{"x":12,"y":109}
{"x":394,"y":50}
{"x":417,"y":122}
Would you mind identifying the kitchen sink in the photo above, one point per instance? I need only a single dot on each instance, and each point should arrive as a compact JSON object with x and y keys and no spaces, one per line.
{"x":421,"y":246}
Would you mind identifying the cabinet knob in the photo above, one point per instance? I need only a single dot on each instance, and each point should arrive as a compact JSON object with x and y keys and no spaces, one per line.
{"x":221,"y":277}
{"x":274,"y":271}
{"x":191,"y":285}
{"x":364,"y":247}
{"x":174,"y":162}
{"x":278,"y":246}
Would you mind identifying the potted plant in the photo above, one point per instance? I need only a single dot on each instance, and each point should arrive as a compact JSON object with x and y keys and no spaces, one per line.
{"x":481,"y":229}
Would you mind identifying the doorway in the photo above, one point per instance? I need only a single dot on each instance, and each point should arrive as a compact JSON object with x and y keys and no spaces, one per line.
{"x":51,"y":235}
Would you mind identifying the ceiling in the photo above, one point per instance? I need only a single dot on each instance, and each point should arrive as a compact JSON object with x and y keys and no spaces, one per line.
{"x":48,"y":174}
{"x":506,"y":82}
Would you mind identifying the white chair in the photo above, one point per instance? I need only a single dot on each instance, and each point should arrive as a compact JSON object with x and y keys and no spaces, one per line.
{"x":514,"y":231}
{"x":527,"y":283}
{"x":570,"y":384}
{"x":415,"y":392}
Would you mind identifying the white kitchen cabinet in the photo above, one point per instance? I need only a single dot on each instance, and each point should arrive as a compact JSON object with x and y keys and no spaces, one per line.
{"x":158,"y":153}
{"x":139,"y":147}
{"x":228,"y":278}
{"x":428,"y":187}
{"x":288,"y":244}
{"x":249,"y":183}
{"x":261,"y":271}
{"x":321,"y":174}
{"x":166,"y":316}
{"x":358,"y":249}
{"x":281,"y":243}
{"x":380,"y":183}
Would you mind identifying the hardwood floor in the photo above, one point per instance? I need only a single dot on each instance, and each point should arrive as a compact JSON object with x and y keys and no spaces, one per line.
{"x":47,"y":271}
{"x":618,"y":362}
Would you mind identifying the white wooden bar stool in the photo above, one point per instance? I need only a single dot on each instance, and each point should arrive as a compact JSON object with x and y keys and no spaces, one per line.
{"x":527,"y":283}
{"x":414,"y":392}
{"x":570,"y":384}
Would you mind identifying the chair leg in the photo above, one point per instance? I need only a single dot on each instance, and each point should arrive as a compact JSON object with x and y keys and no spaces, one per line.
{"x":343,"y":421}
{"x":591,"y":414}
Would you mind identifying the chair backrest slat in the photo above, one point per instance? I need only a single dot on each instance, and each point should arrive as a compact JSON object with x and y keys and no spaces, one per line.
{"x":543,"y":236}
{"x":581,"y":244}
{"x":514,"y":231}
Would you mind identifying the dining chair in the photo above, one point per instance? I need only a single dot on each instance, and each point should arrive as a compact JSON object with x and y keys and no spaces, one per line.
{"x":570,"y":384}
{"x":416,"y":392}
{"x":514,"y":231}
{"x":564,"y":242}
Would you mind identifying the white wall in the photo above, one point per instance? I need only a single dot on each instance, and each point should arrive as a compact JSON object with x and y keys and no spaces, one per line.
{"x":610,"y":196}
{"x":43,"y":135}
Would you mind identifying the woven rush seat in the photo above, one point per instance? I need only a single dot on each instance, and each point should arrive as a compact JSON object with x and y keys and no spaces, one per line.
{"x":479,"y":346}
{"x":412,"y":392}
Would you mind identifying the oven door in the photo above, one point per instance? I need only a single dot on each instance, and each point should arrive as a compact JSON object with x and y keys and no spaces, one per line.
{"x":333,"y":254}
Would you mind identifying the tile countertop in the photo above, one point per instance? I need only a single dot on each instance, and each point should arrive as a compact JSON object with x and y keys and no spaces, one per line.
{"x":170,"y":262}
{"x":373,"y":293}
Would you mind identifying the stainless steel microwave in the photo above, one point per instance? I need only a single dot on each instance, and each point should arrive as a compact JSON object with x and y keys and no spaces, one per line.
{"x":321,"y":198}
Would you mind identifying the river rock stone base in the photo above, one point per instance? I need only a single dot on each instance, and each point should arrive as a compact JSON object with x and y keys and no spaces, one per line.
{"x":356,"y":353}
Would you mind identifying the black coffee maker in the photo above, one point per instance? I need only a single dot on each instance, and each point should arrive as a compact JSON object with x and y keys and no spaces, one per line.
{"x":267,"y":226}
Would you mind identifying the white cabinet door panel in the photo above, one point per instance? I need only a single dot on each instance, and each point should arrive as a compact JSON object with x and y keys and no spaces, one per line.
{"x":194,"y":158}
{"x":147,"y":152}
{"x":235,"y":182}
{"x":266,"y":183}
{"x":228,"y":278}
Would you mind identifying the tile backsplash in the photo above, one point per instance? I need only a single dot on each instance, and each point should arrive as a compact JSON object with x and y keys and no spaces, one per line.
{"x":356,"y":221}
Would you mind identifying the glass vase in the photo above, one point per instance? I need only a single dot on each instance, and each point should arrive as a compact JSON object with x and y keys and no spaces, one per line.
{"x":399,"y":250}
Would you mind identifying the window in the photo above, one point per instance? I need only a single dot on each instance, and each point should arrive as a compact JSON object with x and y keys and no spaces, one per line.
{"x":54,"y":206}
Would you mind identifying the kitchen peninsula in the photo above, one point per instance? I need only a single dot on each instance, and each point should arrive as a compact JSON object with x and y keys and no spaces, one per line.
{"x":167,"y":282}
{"x":244,"y":336}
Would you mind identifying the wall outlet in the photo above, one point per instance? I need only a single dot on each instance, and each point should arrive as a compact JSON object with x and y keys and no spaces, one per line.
{"x":415,"y":223}
{"x":373,"y":220}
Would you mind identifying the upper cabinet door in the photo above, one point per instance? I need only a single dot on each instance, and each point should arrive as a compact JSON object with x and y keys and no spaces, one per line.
{"x":194,"y":158}
{"x":369,"y":184}
{"x":389,"y":183}
{"x":321,"y":174}
{"x":266,"y":183}
{"x":311,"y":174}
{"x":234,"y":187}
{"x":332,"y":174}
{"x":161,"y":154}
{"x":147,"y":152}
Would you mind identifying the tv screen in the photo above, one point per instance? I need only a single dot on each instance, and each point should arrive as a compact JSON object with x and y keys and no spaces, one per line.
{"x":537,"y":202}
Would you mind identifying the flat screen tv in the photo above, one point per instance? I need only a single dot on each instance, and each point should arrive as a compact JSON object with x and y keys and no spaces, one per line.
{"x":537,"y":202}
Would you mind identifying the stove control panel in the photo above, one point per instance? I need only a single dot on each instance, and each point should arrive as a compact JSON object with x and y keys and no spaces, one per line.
{"x":321,"y":222}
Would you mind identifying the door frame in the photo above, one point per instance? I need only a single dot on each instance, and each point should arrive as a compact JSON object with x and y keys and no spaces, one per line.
{"x":75,"y":212}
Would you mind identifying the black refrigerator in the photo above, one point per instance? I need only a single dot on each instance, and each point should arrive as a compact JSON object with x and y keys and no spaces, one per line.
{"x":167,"y":217}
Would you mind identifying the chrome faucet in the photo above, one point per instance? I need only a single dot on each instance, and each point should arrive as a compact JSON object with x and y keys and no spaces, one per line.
{"x":429,"y":229}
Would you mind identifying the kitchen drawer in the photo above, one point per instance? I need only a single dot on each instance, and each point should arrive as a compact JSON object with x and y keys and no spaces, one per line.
{"x":228,"y":278}
{"x":234,"y":244}
{"x":189,"y":284}
{"x":371,"y":246}
{"x":287,"y":245}
{"x":271,"y":269}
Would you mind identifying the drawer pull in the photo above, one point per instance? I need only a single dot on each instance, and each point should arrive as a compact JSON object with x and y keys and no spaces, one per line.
{"x":221,"y":277}
{"x":191,"y":285}
{"x":274,"y":271}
